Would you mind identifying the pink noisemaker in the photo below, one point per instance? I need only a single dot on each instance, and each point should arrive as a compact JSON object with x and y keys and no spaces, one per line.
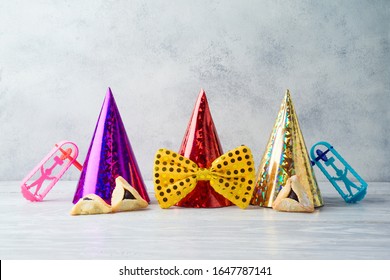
{"x":45,"y":175}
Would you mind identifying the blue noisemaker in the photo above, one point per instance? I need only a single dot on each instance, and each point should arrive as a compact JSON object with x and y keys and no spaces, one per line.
{"x":330,"y":162}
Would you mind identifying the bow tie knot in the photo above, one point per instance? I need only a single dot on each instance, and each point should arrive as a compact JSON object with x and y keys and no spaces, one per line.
{"x":203,"y":174}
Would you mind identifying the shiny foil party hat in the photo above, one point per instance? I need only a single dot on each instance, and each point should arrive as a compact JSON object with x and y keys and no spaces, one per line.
{"x":110,"y":155}
{"x":201,"y":145}
{"x":286,"y":155}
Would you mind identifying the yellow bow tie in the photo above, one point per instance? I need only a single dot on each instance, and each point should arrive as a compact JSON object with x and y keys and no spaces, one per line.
{"x":231,"y":175}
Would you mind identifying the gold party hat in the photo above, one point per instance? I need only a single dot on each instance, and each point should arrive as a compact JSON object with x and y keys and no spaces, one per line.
{"x":286,"y":155}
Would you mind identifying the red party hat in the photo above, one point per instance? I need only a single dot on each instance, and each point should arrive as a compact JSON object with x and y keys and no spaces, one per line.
{"x":110,"y":155}
{"x":201,"y":145}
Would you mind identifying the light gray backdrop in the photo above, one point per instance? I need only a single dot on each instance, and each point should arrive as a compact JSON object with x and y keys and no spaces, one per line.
{"x":57,"y":59}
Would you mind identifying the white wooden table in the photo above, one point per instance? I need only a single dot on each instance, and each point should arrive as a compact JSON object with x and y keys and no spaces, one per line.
{"x":338,"y":230}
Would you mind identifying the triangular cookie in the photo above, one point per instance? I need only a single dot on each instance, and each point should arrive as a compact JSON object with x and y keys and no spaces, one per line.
{"x":125,"y":197}
{"x":302,"y":200}
{"x":90,"y":204}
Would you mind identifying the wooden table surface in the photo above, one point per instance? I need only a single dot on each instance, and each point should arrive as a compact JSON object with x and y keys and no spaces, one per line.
{"x":338,"y":230}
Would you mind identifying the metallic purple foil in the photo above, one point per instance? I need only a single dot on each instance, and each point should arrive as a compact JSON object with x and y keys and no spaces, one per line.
{"x":110,"y":155}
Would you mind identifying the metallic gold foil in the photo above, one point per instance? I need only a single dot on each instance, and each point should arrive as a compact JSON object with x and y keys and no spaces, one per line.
{"x":286,"y":155}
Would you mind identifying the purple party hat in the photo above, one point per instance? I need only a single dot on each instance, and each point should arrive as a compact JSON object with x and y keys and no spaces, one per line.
{"x":110,"y":155}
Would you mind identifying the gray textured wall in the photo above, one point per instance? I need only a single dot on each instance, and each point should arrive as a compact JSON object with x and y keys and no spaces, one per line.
{"x":58,"y":57}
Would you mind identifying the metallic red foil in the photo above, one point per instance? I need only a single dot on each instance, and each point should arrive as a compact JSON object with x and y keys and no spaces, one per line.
{"x":110,"y":155}
{"x":201,"y":145}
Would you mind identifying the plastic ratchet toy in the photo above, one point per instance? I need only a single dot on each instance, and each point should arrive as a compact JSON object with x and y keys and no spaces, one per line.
{"x":343,"y":177}
{"x":46,"y":174}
